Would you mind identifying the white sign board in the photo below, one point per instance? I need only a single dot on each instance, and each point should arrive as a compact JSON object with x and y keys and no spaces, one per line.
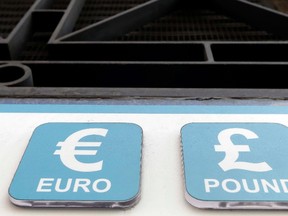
{"x":162,"y":182}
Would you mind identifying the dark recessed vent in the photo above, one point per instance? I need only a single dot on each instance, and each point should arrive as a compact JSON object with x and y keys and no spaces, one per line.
{"x":141,"y":43}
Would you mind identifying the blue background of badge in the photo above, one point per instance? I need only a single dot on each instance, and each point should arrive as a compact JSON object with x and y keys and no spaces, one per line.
{"x":201,"y":160}
{"x":120,"y":150}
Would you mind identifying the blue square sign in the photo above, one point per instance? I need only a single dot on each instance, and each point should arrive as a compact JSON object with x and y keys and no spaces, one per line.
{"x":236,"y":165}
{"x":80,"y":165}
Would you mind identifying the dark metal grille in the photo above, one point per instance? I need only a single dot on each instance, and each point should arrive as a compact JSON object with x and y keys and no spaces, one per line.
{"x":60,"y":4}
{"x":96,"y":10}
{"x":181,"y":25}
{"x":196,"y":25}
{"x":132,"y":40}
{"x":11,"y":12}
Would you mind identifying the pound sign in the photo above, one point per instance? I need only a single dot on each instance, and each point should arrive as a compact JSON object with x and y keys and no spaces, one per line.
{"x":232,"y":151}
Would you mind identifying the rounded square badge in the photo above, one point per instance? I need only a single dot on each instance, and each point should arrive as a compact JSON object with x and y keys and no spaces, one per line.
{"x":80,"y":165}
{"x":236,"y":165}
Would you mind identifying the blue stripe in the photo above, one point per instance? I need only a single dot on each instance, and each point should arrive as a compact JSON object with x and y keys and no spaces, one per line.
{"x":143,"y":109}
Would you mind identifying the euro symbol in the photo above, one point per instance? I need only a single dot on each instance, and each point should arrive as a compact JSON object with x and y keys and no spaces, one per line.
{"x":68,"y":150}
{"x":232,"y":151}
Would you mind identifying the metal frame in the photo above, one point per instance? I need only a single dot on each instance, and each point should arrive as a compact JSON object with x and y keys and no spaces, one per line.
{"x":213,"y":72}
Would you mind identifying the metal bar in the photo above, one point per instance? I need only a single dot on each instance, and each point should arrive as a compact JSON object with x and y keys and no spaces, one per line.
{"x":209,"y":53}
{"x":68,"y":20}
{"x":122,"y":22}
{"x":22,"y":31}
{"x":167,"y":94}
{"x":259,"y":16}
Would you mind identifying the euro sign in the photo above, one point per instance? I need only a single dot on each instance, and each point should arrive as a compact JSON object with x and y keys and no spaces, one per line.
{"x":68,"y":151}
{"x":232,"y":151}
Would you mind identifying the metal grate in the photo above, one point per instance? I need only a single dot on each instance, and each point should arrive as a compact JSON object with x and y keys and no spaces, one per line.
{"x":60,"y":4}
{"x":180,"y":25}
{"x":11,"y":12}
{"x":96,"y":10}
{"x":197,"y":25}
{"x":170,"y":37}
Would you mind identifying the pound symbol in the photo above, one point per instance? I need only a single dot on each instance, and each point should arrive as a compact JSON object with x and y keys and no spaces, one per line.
{"x":232,"y":151}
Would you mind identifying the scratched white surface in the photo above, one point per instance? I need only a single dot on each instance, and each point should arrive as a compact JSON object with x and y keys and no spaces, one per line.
{"x":162,"y":182}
